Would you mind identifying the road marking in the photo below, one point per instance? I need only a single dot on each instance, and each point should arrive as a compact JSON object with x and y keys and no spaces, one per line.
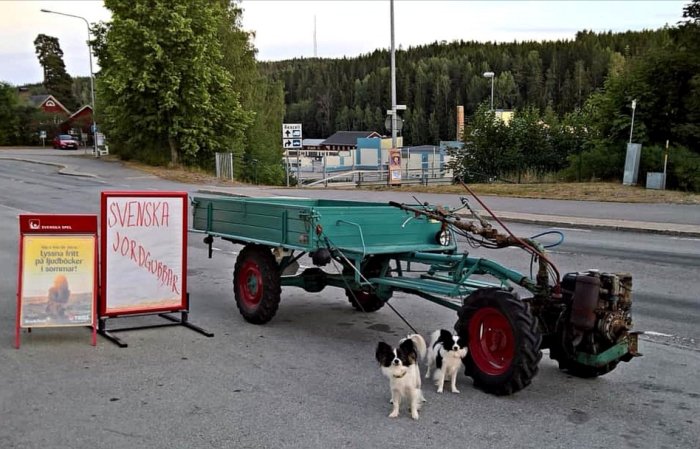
{"x":690,"y":239}
{"x":657,"y":334}
{"x":15,"y":209}
{"x":224,"y":251}
{"x":572,"y":229}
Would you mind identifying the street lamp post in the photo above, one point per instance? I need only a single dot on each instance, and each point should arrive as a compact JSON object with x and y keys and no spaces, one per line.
{"x":92,"y":83}
{"x":634,"y":106}
{"x":490,"y":75}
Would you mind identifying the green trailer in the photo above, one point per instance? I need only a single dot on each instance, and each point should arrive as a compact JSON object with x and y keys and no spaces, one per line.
{"x":372,"y":250}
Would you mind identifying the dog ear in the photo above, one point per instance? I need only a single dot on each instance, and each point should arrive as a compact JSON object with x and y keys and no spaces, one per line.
{"x":408,"y":348}
{"x":445,"y":336}
{"x":384,"y":354}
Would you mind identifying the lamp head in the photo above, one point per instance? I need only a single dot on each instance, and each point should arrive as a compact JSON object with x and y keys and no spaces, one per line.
{"x":489,"y":74}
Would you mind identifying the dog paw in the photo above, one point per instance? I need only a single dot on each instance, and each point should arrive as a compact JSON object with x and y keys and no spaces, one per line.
{"x":414,"y":415}
{"x":439,"y":390}
{"x":393,"y":414}
{"x":456,"y":391}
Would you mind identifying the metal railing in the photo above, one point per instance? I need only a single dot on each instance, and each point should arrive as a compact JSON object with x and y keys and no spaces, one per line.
{"x":378,"y":176}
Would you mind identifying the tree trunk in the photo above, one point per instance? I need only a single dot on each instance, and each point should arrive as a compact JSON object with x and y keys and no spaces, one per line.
{"x":174,"y":151}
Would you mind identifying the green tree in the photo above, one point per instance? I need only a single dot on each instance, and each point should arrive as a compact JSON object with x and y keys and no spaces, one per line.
{"x":56,"y":80}
{"x":258,"y":94}
{"x":163,"y":89}
{"x":488,"y":150}
{"x":8,"y":116}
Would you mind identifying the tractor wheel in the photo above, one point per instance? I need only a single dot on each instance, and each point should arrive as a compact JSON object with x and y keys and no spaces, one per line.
{"x":366,"y":300}
{"x":504,"y":343}
{"x":562,"y":351}
{"x":256,"y":284}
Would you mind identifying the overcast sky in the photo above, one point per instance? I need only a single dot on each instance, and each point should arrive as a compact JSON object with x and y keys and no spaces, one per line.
{"x":285,"y":29}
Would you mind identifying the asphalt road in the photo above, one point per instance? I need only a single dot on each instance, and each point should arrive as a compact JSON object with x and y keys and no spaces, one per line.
{"x":308,"y":379}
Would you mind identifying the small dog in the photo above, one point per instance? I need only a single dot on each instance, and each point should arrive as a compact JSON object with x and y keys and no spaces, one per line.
{"x":400,"y":365}
{"x":445,"y":355}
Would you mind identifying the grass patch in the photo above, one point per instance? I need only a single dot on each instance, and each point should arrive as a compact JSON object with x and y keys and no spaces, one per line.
{"x":582,"y":191}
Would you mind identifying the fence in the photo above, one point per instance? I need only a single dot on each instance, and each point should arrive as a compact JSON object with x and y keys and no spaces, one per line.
{"x":224,"y":165}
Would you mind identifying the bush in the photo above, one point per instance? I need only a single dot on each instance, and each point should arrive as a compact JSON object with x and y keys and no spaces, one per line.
{"x":683,"y":170}
{"x":604,"y":161}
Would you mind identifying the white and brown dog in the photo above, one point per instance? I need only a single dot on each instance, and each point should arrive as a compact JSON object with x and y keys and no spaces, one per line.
{"x":445,"y":355}
{"x":400,"y":365}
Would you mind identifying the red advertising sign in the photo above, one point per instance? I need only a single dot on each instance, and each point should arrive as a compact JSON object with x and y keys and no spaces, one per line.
{"x":57,"y":275}
{"x":144,"y":253}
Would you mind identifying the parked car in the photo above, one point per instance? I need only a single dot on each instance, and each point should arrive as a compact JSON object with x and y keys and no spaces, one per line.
{"x":64,"y":141}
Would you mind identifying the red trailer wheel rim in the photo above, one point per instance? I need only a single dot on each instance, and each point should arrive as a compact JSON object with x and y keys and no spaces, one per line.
{"x":251,"y":284}
{"x":491,"y":341}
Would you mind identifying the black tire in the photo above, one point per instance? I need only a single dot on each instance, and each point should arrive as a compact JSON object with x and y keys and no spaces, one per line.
{"x":504,"y":358}
{"x":366,"y":300}
{"x":562,"y":351}
{"x":256,"y":284}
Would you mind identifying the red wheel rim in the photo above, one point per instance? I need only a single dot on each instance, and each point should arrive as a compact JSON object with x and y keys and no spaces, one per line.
{"x":491,"y":341}
{"x":250,"y":284}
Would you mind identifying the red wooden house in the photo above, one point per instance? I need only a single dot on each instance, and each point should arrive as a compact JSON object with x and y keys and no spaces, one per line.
{"x":50,"y":105}
{"x":79,"y":123}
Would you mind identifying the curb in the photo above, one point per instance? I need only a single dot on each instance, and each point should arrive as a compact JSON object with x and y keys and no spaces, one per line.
{"x":677,"y":230}
{"x":63,"y":170}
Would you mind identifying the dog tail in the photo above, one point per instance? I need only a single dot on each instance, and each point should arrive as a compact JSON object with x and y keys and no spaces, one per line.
{"x":434,"y":337}
{"x":419,"y":343}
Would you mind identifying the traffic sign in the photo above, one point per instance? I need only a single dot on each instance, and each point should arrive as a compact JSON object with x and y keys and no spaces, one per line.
{"x":291,"y":130}
{"x":291,"y":143}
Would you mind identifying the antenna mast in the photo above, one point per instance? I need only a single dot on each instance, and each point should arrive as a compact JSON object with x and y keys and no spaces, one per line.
{"x":315,"y":47}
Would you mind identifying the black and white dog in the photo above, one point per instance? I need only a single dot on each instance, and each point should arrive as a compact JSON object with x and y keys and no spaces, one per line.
{"x":400,"y":365}
{"x":445,"y":355}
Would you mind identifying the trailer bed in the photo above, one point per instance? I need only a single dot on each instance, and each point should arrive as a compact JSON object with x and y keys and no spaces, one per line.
{"x":308,"y":224}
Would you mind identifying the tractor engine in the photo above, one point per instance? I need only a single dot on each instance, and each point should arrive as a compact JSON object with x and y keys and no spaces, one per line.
{"x":600,"y":304}
{"x":593,"y":328}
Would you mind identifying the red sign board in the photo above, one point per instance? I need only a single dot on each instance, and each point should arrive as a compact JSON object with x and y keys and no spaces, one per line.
{"x":57,"y":274}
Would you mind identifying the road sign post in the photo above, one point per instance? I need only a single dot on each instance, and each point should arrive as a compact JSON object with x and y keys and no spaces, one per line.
{"x":291,"y":140}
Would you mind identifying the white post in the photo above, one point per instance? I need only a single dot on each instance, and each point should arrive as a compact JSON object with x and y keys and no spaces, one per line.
{"x":665,"y":164}
{"x":634,"y":106}
{"x":325,"y":181}
{"x":393,"y":93}
{"x":287,"y":166}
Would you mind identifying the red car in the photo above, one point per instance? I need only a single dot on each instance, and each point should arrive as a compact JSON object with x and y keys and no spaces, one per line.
{"x":63,"y":141}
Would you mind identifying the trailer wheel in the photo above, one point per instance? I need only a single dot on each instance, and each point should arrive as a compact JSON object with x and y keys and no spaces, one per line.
{"x":364,"y":300}
{"x":256,"y":284}
{"x":504,"y":343}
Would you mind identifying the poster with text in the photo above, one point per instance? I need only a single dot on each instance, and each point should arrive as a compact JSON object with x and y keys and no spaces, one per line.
{"x":144,"y":245}
{"x":395,"y":166}
{"x":58,"y":280}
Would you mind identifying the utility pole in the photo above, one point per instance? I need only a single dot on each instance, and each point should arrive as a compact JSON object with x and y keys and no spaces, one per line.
{"x":92,"y":76}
